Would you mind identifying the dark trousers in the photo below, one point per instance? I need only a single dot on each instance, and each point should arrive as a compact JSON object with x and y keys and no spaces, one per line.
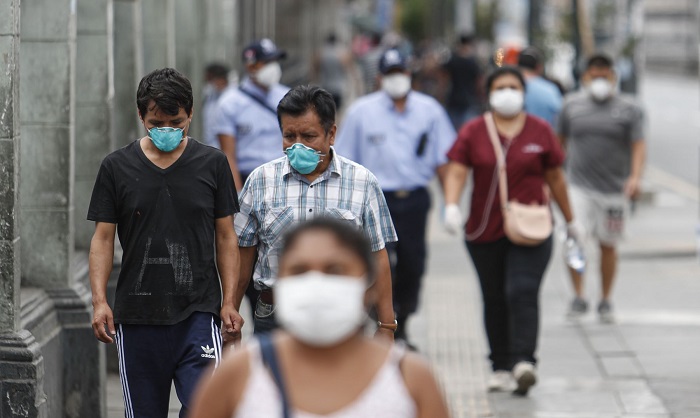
{"x":151,"y":357}
{"x":410,"y":215}
{"x":510,"y":276}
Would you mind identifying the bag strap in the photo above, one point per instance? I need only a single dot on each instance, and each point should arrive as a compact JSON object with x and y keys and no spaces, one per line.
{"x":500,"y":158}
{"x":269,"y":358}
{"x":258,"y":100}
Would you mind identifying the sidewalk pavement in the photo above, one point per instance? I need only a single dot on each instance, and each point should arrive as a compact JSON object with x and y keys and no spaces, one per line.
{"x":645,"y":365}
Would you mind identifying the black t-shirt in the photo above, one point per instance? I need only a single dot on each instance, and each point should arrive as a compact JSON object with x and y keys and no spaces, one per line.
{"x":464,"y":73}
{"x":166,"y":224}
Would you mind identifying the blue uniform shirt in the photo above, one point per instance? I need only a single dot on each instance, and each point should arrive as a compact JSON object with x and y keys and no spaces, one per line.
{"x":543,"y":99}
{"x":401,"y":149}
{"x":257,"y":133}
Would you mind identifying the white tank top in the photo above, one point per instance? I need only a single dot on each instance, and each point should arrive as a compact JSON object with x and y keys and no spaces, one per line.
{"x":386,"y":396}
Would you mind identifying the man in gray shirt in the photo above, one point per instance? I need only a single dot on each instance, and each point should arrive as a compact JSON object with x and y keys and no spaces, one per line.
{"x":604,"y":135}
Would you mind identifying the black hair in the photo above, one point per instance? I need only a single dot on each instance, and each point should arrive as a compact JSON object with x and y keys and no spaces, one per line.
{"x":501,"y":71}
{"x":466,"y":39}
{"x":216,"y":70}
{"x":169,"y":90}
{"x":332,"y":38}
{"x":600,"y":61}
{"x":347,"y":236}
{"x":301,"y":99}
{"x":530,"y":58}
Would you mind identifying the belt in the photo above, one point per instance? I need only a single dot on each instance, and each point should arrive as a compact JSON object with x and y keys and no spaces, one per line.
{"x":267,"y":297}
{"x":402,"y":194}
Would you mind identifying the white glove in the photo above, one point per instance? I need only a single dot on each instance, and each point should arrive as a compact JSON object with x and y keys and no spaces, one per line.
{"x":575,"y":231}
{"x":453,"y":219}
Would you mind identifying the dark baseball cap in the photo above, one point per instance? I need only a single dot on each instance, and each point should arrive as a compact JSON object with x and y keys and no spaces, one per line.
{"x":392,"y":59}
{"x":530,"y":57}
{"x":262,"y":50}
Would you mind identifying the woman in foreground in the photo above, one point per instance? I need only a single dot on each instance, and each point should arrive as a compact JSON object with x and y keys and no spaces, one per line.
{"x":326,"y":366}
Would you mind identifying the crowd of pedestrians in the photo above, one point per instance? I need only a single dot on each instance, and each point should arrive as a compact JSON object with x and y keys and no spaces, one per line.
{"x":323,"y":226}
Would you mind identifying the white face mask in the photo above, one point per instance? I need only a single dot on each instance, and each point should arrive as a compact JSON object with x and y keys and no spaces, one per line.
{"x":600,"y":89}
{"x":319,"y":309}
{"x":396,"y":85}
{"x":507,"y":102}
{"x":269,"y":74}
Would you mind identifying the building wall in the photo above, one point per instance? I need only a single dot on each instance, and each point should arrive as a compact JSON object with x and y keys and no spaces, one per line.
{"x":71,"y":90}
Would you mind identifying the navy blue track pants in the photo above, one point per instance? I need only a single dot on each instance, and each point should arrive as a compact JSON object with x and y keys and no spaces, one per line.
{"x":151,"y":357}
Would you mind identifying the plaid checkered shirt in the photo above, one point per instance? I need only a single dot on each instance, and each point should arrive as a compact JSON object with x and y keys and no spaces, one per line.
{"x":275,"y":197}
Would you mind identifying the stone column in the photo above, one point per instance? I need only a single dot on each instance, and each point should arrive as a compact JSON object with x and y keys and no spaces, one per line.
{"x":93,"y":106}
{"x":158,"y":34}
{"x":48,"y":103}
{"x":47,"y":71}
{"x":128,"y":70}
{"x":21,"y":364}
{"x":190,"y":18}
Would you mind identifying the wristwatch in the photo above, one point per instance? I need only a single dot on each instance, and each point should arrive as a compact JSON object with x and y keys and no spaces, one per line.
{"x":389,"y":325}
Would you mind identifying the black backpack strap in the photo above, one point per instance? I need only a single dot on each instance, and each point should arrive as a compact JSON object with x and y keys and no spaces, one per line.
{"x":269,"y":358}
{"x":258,"y":100}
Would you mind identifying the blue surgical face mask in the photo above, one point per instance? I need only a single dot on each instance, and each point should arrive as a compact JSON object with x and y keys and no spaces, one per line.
{"x":166,"y":139}
{"x":302,"y":158}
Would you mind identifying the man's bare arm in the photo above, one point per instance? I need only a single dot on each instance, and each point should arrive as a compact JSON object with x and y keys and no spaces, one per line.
{"x":385,"y":304}
{"x":228,"y":147}
{"x":101,"y":260}
{"x":228,"y":263}
{"x":246,"y":272}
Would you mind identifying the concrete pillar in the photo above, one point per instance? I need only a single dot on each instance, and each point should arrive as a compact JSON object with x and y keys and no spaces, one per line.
{"x":190,"y":60}
{"x":47,"y":72}
{"x":93,"y":106}
{"x":48,"y":90}
{"x":21,"y":364}
{"x":128,"y":70}
{"x":464,"y":16}
{"x":158,"y":34}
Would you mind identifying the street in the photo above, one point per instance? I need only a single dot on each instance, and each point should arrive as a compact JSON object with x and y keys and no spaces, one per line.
{"x":646,"y":364}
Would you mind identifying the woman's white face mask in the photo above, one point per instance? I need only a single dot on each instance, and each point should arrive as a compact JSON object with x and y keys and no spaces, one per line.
{"x":507,"y":102}
{"x":269,"y":74}
{"x":320,"y":309}
{"x":396,"y":85}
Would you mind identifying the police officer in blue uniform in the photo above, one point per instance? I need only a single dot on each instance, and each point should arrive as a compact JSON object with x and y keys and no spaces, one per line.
{"x":246,"y":119}
{"x":402,"y":136}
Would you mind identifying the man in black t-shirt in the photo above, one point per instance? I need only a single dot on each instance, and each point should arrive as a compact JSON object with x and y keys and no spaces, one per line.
{"x":171,"y":199}
{"x":463,"y":72}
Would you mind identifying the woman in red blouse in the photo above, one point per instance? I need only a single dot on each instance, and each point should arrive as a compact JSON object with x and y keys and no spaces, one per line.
{"x":509,"y":274}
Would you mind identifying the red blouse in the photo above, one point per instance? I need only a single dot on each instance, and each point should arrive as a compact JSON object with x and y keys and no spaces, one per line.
{"x":533,"y":151}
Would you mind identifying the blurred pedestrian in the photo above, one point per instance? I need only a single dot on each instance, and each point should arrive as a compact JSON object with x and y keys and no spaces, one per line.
{"x":542,"y":97}
{"x":604,"y":134}
{"x":180,"y":263}
{"x":246,"y":121}
{"x":402,"y":136}
{"x":311,"y":180}
{"x":463,"y":73}
{"x":510,"y":273}
{"x":216,"y":78}
{"x":370,"y":63}
{"x":332,"y":67}
{"x":321,"y":364}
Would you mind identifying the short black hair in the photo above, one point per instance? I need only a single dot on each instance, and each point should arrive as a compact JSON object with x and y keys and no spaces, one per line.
{"x":169,"y":90}
{"x":466,"y":39}
{"x":301,"y":99}
{"x":501,"y":71}
{"x":347,"y":236}
{"x":599,"y":60}
{"x":216,"y":70}
{"x":530,"y":58}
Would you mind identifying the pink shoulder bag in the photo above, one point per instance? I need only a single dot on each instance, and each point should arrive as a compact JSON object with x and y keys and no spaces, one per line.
{"x":527,"y":225}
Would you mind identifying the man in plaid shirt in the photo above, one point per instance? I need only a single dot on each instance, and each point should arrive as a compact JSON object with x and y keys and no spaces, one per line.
{"x":310,"y":181}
